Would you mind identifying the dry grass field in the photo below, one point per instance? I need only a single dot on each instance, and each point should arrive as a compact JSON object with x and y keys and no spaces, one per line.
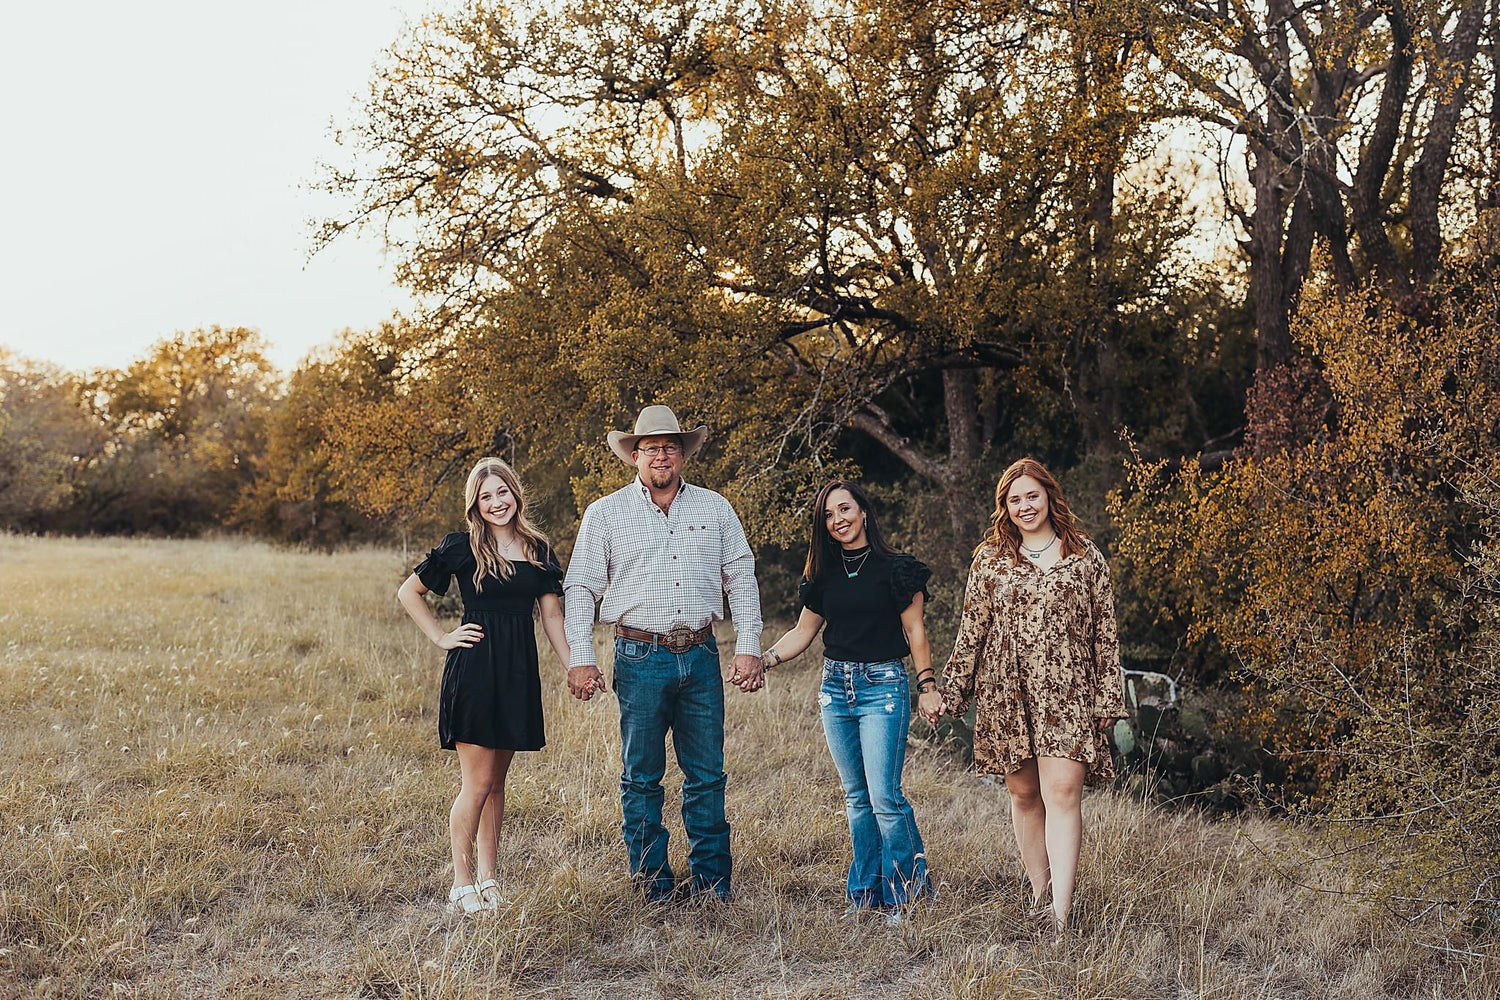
{"x":221,"y":779}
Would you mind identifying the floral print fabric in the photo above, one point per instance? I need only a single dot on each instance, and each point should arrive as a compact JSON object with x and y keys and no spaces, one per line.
{"x":1038,"y":651}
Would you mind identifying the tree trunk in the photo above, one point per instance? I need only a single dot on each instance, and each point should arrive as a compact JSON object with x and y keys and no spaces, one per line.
{"x":960,"y":476}
{"x":1269,"y":270}
{"x":962,"y":490}
{"x":1437,"y":149}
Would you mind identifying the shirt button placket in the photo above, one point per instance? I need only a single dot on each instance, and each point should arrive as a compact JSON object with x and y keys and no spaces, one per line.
{"x":672,"y":546}
{"x":682,"y":658}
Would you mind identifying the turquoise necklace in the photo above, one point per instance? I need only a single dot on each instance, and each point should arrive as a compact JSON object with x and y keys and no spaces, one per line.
{"x":1035,"y":554}
{"x":852,"y":568}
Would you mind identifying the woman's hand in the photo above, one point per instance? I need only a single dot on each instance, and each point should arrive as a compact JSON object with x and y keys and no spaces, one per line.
{"x":585,"y":681}
{"x":931,"y":705}
{"x":465,"y":635}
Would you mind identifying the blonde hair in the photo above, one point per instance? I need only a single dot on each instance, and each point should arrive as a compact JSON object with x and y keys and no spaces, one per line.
{"x":489,"y":561}
{"x":1003,"y":534}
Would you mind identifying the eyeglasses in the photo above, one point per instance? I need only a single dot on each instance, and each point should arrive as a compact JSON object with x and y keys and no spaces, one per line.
{"x":669,"y":450}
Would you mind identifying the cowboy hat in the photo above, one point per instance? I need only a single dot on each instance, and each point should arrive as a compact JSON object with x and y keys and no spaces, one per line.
{"x":654,"y":421}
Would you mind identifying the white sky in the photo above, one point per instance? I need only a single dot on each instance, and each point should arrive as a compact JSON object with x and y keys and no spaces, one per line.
{"x":153,"y":166}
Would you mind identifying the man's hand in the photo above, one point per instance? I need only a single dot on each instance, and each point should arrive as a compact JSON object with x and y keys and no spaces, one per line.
{"x":585,"y":680}
{"x":748,"y":673}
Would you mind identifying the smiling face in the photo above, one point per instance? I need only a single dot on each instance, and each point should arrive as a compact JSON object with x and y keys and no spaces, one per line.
{"x":844,"y":519}
{"x":495,"y":502}
{"x":659,"y":460}
{"x":1026,"y":505}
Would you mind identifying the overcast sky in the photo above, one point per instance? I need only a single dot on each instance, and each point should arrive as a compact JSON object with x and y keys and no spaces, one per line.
{"x":152,"y":173}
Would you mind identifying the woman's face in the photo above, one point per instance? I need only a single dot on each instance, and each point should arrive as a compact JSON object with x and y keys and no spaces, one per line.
{"x":496,"y":503}
{"x":1026,"y":505}
{"x":844,"y":519}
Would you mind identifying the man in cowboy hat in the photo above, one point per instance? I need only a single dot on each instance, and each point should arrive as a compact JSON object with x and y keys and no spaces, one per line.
{"x":659,"y":556}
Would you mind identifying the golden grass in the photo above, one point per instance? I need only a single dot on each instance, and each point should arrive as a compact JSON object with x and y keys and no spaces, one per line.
{"x":223,"y":779}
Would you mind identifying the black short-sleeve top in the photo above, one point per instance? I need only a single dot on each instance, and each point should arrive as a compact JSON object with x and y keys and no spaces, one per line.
{"x":863,"y":612}
{"x":455,"y":558}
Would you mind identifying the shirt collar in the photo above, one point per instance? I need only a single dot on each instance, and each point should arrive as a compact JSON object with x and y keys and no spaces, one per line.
{"x":645,"y":491}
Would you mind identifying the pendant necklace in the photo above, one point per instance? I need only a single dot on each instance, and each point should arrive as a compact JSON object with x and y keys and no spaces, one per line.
{"x":1035,"y":554}
{"x":505,"y":548}
{"x":858,"y":564}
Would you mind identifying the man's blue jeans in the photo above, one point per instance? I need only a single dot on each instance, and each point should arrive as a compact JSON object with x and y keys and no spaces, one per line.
{"x":659,"y":691}
{"x":866,"y":710}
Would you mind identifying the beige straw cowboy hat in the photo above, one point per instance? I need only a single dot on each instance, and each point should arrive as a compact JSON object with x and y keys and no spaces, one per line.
{"x":655,"y":420}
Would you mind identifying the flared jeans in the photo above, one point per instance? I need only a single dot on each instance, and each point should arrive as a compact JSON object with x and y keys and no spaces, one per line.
{"x":866,"y":709}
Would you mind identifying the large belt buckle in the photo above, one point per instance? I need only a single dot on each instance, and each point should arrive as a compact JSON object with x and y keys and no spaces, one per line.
{"x":678,"y":639}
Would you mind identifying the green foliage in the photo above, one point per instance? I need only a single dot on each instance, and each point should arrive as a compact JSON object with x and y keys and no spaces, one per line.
{"x":299,"y":494}
{"x":1347,"y":581}
{"x":899,"y":220}
{"x":165,"y":446}
{"x":1192,"y":752}
{"x":46,"y":435}
{"x":185,"y":423}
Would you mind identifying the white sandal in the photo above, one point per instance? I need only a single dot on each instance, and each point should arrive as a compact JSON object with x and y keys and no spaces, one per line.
{"x":489,"y":891}
{"x":464,"y":899}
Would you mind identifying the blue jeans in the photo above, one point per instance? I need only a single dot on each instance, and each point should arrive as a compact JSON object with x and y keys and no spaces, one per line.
{"x":866,"y":710}
{"x":659,"y":690}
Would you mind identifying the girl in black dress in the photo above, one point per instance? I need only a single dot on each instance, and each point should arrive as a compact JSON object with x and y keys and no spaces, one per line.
{"x":491,"y":700}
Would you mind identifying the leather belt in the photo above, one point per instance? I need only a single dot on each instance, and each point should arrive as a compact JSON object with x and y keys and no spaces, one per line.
{"x":678,"y":639}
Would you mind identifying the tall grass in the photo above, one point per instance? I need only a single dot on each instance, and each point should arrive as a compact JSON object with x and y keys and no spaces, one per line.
{"x":223,"y":779}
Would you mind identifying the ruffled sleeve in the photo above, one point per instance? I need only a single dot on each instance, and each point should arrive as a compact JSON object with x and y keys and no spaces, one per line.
{"x":811,"y":595}
{"x":436,"y":571}
{"x":909,"y":577}
{"x":552,"y":571}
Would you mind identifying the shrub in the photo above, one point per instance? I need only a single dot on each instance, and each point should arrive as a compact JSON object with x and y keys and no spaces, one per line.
{"x":1345,"y":582}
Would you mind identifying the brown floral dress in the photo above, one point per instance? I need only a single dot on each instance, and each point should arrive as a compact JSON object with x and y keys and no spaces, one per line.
{"x":1038,"y":650}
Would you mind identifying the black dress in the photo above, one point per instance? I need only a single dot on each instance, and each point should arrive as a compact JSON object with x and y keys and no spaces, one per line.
{"x":492,"y":693}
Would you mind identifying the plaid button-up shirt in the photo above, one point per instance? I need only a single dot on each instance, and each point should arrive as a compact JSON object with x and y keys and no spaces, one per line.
{"x":651,"y":570}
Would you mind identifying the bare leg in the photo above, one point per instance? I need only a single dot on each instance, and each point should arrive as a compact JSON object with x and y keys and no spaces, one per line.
{"x":476,"y":765}
{"x":487,"y":846}
{"x":1028,"y":816}
{"x":1062,"y":796}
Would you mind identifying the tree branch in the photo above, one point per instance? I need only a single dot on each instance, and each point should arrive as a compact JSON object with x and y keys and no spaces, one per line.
{"x":875,"y":422}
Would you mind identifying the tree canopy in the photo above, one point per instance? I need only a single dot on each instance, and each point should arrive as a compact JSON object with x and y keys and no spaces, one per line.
{"x":898,"y":219}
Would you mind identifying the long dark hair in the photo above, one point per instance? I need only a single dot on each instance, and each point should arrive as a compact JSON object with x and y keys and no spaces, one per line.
{"x":822,"y":550}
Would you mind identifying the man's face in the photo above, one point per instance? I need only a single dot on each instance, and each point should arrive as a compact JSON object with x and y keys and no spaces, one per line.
{"x":659,"y":460}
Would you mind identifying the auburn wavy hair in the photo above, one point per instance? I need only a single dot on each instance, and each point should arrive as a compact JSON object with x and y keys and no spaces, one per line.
{"x":487,"y":557}
{"x":1003,"y":533}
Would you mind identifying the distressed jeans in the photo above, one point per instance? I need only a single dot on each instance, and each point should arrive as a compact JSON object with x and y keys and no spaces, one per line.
{"x":866,"y":709}
{"x":658,"y":691}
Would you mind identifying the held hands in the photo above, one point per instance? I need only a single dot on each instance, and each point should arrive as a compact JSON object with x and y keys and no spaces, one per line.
{"x":465,"y":635}
{"x":748,"y":673}
{"x":931,"y":705}
{"x":585,"y":681}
